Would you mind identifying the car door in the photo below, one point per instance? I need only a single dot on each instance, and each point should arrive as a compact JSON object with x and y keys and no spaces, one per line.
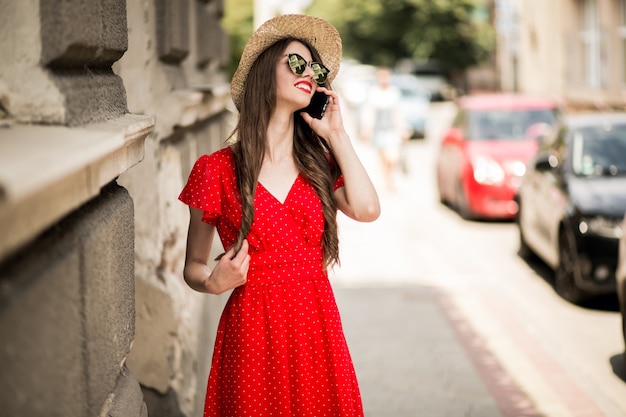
{"x":551,"y":196}
{"x":542,"y":198}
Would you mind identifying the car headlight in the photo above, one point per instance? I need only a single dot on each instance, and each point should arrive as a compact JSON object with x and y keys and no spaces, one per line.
{"x":517,"y":168}
{"x":601,"y":226}
{"x":487,"y":171}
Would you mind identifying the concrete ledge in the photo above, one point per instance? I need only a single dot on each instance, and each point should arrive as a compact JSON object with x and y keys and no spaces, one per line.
{"x":48,"y":171}
{"x":202,"y":103}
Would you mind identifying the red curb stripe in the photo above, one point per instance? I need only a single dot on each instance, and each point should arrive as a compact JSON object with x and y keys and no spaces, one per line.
{"x":574,"y":397}
{"x":510,"y":399}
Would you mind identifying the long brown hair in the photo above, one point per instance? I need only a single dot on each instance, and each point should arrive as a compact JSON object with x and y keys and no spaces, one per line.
{"x":313,"y":157}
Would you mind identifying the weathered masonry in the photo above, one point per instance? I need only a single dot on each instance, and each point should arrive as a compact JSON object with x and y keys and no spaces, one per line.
{"x":104,"y":107}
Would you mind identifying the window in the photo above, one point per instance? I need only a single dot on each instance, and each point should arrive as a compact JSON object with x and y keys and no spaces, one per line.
{"x":590,"y":38}
{"x":621,"y":33}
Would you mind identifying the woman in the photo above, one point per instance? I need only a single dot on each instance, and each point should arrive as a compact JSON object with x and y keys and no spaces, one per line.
{"x":273,"y":197}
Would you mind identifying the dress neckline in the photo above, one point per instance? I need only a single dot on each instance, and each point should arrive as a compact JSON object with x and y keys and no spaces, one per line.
{"x":291,"y":188}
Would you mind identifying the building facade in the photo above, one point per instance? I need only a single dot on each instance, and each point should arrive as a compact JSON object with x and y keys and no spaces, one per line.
{"x":571,"y":49}
{"x":104,"y":107}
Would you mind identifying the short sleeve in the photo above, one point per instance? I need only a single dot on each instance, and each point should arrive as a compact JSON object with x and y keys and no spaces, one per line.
{"x":203,"y":188}
{"x":338,"y":183}
{"x":333,"y":166}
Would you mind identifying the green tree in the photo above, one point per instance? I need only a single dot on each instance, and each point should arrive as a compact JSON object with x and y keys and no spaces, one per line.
{"x":238,"y":21}
{"x":385,"y":31}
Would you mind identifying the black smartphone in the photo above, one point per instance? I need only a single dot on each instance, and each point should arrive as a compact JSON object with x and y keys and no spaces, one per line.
{"x":317,"y":106}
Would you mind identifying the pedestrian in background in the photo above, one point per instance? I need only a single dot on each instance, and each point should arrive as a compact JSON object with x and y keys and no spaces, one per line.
{"x":383,"y":124}
{"x":273,"y":197}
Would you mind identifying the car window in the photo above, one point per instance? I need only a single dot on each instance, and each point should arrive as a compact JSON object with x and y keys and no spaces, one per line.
{"x":507,"y":124}
{"x":599,"y":150}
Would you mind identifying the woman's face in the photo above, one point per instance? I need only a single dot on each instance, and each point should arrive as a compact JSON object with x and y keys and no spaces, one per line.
{"x":294,"y":91}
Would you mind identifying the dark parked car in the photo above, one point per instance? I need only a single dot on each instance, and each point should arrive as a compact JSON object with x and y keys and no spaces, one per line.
{"x":483,"y":155}
{"x":621,"y":278}
{"x":572,"y":201}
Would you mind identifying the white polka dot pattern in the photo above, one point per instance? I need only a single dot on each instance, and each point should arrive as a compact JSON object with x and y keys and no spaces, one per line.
{"x":280,"y":348}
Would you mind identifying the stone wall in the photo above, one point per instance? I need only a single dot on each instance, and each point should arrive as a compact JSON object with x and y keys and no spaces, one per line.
{"x":189,"y":94}
{"x":67,"y":315}
{"x":104,"y":107}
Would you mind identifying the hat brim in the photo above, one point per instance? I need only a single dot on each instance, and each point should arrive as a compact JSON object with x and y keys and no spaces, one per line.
{"x":317,"y":32}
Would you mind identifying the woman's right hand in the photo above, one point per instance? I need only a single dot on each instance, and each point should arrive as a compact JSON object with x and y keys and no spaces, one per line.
{"x":230,"y":271}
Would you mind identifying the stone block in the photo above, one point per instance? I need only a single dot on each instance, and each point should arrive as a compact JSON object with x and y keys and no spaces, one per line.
{"x":152,"y":358}
{"x":127,"y":400}
{"x":213,"y":137}
{"x":91,"y":96}
{"x":164,"y":405}
{"x":206,"y":25}
{"x":107,"y":242}
{"x":172,"y":30}
{"x":67,"y":312}
{"x":41,"y":331}
{"x":61,"y":72}
{"x":83,"y":33}
{"x":80,"y":40}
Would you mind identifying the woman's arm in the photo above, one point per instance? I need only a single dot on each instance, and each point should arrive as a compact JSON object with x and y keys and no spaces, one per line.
{"x":358,"y":198}
{"x":229,"y":272}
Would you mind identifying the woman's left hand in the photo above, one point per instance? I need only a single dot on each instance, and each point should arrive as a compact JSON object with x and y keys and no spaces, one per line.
{"x":331,"y":123}
{"x":357,"y":198}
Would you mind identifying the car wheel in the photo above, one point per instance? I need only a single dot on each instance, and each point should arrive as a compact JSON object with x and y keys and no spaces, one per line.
{"x":523,"y":250}
{"x":623,"y":308}
{"x":442,"y":199}
{"x":462,"y":205}
{"x":564,"y":277}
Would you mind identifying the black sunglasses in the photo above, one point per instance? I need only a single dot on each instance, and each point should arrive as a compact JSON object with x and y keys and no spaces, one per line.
{"x":298,"y":66}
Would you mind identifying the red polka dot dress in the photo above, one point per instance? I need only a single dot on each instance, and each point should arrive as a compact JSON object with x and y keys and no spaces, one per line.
{"x":280,"y":349}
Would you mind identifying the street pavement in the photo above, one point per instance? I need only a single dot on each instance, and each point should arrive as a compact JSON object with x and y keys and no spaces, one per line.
{"x":414,"y":353}
{"x":415,"y":356}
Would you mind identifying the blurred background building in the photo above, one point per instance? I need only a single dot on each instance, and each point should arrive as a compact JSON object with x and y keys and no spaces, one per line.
{"x":571,"y":49}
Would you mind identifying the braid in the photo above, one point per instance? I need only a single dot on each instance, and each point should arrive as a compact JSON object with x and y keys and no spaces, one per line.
{"x":249,"y":149}
{"x":248,"y":157}
{"x":246,"y":181}
{"x":312,"y":157}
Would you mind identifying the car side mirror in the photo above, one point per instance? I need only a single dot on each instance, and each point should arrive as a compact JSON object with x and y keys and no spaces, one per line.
{"x":453,"y":135}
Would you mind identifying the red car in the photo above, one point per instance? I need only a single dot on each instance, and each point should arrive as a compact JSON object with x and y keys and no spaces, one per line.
{"x":483,"y":155}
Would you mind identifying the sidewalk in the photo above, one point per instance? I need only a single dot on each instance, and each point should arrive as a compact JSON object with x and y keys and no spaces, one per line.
{"x":415,"y":357}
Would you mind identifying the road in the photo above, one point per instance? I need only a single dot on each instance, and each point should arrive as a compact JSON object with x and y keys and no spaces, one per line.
{"x":567,"y":360}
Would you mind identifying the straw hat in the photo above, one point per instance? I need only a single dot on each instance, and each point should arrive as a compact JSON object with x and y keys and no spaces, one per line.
{"x":315,"y":31}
